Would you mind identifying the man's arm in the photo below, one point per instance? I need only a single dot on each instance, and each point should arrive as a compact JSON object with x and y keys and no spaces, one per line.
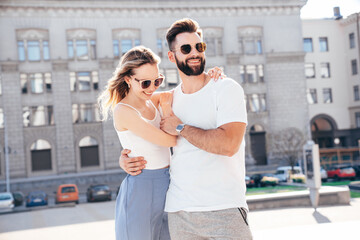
{"x":224,"y":140}
{"x":132,"y":166}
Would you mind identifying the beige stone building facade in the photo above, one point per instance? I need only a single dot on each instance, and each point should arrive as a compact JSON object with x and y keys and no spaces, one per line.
{"x":333,"y":82}
{"x":56,"y":57}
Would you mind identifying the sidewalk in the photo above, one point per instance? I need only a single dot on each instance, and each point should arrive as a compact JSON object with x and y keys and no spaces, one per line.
{"x":330,"y":222}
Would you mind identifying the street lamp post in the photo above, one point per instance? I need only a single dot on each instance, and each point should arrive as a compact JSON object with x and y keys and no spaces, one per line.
{"x":7,"y":172}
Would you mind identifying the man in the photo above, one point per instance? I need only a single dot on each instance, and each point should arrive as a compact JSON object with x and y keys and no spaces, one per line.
{"x":206,"y":197}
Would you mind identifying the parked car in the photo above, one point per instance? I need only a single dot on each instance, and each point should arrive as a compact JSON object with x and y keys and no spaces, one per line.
{"x":341,"y":172}
{"x":6,"y":202}
{"x":36,"y":198}
{"x":323,"y":174}
{"x":298,"y":178}
{"x":67,"y":193}
{"x":283,"y":173}
{"x":18,"y":198}
{"x":357,"y":170}
{"x":264,"y":179}
{"x":249,"y":182}
{"x":269,"y":179}
{"x":99,"y":192}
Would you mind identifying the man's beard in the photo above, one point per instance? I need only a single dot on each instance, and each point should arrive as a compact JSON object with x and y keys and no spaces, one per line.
{"x":187,"y":70}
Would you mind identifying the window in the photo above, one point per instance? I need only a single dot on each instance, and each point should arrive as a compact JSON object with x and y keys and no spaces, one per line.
{"x":161,"y":43}
{"x":40,"y":155}
{"x":325,"y":70}
{"x":1,"y":118}
{"x":213,"y":39}
{"x":251,"y":73}
{"x":356,"y":93}
{"x":311,"y":96}
{"x":352,"y":40}
{"x":124,"y":40}
{"x":89,"y":152}
{"x":84,"y":81}
{"x":250,"y":40}
{"x":256,"y":103}
{"x":327,"y":95}
{"x":38,"y":116}
{"x":33,"y":45}
{"x":81,"y":44}
{"x":35,"y":83}
{"x":310,"y":70}
{"x":308,"y":46}
{"x":357,"y":119}
{"x":354,"y":69}
{"x":171,"y":77}
{"x":83,"y":113}
{"x":323,"y":43}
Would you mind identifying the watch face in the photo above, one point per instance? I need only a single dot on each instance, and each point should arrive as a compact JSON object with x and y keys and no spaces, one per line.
{"x":179,"y":127}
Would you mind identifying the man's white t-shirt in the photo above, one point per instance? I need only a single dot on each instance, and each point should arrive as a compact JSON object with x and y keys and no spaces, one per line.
{"x":203,"y":181}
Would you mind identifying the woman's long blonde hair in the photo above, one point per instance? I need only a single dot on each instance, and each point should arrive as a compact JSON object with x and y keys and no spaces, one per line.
{"x":117,"y":88}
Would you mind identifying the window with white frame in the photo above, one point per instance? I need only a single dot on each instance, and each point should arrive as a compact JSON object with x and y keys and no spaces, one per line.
{"x":308,"y":45}
{"x":256,"y":102}
{"x":327,"y":95}
{"x":84,"y":81}
{"x":1,"y":118}
{"x":309,"y":70}
{"x":171,"y":78}
{"x":352,"y":40}
{"x":354,"y":68}
{"x":325,"y":70}
{"x":356,"y":93}
{"x":251,"y":73}
{"x":323,"y":44}
{"x":81,"y":44}
{"x":357,"y":119}
{"x":161,"y":43}
{"x":33,"y":45}
{"x":250,"y":40}
{"x":86,"y":112}
{"x":35,"y":83}
{"x":213,"y":38}
{"x":38,"y":116}
{"x":311,"y":95}
{"x":124,"y":40}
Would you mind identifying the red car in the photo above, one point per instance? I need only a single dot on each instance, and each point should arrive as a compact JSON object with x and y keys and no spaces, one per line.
{"x":341,"y":172}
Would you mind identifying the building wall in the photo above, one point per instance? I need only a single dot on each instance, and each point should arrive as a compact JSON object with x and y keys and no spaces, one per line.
{"x":275,"y":23}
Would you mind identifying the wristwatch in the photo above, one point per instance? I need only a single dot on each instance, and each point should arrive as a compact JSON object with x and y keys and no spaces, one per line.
{"x":179,"y":128}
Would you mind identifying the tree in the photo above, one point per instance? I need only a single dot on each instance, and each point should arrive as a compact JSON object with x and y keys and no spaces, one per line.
{"x":287,"y":145}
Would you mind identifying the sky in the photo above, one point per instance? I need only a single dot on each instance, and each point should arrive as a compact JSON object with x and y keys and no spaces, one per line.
{"x":324,"y":8}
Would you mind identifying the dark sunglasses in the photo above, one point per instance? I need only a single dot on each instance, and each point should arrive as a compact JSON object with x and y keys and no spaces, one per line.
{"x":186,"y":48}
{"x":146,"y":83}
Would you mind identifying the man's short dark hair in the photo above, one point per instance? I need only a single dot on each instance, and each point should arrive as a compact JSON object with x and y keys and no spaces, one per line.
{"x":181,"y":26}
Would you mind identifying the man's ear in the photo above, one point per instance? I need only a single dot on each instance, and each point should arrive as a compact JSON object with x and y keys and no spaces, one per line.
{"x":171,"y":56}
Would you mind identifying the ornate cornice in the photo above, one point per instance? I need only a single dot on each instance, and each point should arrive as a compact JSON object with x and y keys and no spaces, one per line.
{"x":148,"y":10}
{"x":351,"y":19}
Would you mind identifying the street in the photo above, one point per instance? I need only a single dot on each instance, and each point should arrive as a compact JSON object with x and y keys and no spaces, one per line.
{"x":95,"y":221}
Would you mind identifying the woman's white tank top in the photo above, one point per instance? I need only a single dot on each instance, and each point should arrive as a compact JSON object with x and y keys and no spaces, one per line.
{"x":156,"y":156}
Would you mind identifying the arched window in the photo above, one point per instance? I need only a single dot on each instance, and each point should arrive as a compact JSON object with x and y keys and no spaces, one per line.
{"x":89,"y":152}
{"x":258,"y":144}
{"x":250,"y":40}
{"x":33,"y":44}
{"x":40,"y":155}
{"x":124,"y":40}
{"x":213,"y":39}
{"x":81,"y":44}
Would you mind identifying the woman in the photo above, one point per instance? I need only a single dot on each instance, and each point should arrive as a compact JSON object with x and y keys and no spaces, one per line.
{"x":130,"y":95}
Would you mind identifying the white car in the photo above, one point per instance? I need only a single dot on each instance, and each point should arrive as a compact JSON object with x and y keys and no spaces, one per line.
{"x":283,"y":173}
{"x":6,"y":202}
{"x":323,"y":174}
